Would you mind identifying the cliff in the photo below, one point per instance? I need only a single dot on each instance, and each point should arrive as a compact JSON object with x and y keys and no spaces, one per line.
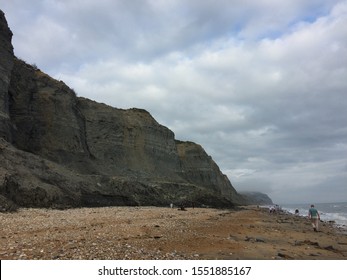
{"x":60,"y":150}
{"x":6,"y":64}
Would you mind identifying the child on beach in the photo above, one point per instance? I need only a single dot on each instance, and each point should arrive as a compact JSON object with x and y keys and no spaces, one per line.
{"x":314,"y":216}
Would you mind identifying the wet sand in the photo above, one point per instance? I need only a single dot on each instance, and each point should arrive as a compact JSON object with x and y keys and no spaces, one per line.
{"x":163,"y":233}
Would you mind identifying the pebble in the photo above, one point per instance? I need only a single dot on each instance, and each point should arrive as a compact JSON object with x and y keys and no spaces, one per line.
{"x":141,"y":233}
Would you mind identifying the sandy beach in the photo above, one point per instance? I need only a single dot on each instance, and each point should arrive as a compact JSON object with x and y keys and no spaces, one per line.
{"x":164,"y":233}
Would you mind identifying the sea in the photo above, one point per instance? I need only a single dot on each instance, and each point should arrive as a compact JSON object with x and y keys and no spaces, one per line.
{"x":329,"y":212}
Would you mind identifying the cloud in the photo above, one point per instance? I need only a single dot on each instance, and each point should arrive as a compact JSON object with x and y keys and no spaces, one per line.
{"x":260,"y":85}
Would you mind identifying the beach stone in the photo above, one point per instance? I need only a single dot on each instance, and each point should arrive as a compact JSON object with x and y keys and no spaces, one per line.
{"x":330,"y":248}
{"x":66,"y":234}
{"x":260,"y":240}
{"x":284,"y":256}
{"x":254,"y":239}
{"x":306,"y":242}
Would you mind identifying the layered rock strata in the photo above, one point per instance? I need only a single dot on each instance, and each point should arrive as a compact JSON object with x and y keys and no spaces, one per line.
{"x":60,"y":150}
{"x":6,"y":64}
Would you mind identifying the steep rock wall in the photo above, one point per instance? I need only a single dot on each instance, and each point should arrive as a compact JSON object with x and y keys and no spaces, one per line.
{"x":60,"y":150}
{"x":129,"y":141}
{"x":200,"y":169}
{"x":45,"y":117}
{"x":6,"y":64}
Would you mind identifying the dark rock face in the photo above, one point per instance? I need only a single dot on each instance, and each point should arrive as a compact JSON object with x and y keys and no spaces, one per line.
{"x":200,"y":169}
{"x":45,"y":116}
{"x":129,"y":142}
{"x":59,"y":150}
{"x":6,"y":64}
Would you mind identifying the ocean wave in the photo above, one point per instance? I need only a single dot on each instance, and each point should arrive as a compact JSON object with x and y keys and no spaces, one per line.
{"x":336,"y":212}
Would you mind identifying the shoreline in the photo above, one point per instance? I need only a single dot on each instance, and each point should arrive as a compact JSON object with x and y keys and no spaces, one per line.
{"x":247,"y":233}
{"x":339,"y":226}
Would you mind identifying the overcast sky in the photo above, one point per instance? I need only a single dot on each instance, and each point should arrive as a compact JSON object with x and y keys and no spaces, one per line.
{"x":261,"y":85}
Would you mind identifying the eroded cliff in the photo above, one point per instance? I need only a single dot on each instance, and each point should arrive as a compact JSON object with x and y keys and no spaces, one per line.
{"x":6,"y":64}
{"x":60,"y":150}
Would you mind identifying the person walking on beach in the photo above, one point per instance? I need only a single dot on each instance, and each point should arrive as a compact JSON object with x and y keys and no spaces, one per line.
{"x":314,"y":216}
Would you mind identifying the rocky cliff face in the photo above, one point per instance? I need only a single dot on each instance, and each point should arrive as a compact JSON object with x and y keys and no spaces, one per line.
{"x":6,"y":64}
{"x":44,"y":115}
{"x":129,"y":142}
{"x":199,"y":168}
{"x":59,"y":150}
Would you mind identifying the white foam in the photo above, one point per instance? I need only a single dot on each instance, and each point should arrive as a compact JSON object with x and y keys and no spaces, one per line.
{"x":336,"y":213}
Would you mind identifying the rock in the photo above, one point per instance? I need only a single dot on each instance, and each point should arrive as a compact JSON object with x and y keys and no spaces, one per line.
{"x":306,"y":242}
{"x":7,"y":205}
{"x":254,"y":239}
{"x":284,"y":256}
{"x":199,"y":168}
{"x":6,"y":64}
{"x":62,"y":151}
{"x":330,"y":248}
{"x":313,"y":255}
{"x":260,"y":240}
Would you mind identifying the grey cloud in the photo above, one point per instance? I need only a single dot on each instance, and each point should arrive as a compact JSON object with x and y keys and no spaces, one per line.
{"x":137,"y":29}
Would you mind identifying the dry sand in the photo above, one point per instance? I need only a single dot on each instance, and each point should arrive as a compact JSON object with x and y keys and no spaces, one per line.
{"x":164,"y":233}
